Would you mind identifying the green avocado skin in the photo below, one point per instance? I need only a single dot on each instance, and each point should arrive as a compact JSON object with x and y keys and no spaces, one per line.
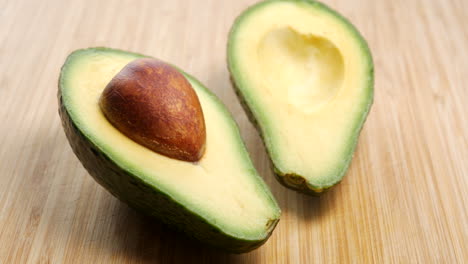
{"x":290,"y":180}
{"x":147,"y":198}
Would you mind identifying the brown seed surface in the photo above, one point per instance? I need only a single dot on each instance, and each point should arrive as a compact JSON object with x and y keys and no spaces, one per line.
{"x":154,"y":104}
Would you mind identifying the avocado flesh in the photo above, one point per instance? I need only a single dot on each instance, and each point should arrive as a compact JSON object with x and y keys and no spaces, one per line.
{"x":219,"y":200}
{"x":305,"y":76}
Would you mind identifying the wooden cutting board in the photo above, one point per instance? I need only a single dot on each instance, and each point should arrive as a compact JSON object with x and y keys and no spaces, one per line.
{"x":404,"y":199}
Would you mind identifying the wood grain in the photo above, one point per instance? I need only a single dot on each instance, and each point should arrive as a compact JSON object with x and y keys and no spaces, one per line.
{"x":403,"y":200}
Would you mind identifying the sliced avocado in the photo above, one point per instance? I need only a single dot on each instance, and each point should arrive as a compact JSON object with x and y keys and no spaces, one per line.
{"x":220,"y":200}
{"x":305,"y":76}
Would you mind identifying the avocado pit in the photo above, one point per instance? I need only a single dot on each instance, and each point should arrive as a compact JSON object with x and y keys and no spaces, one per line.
{"x":153,"y":104}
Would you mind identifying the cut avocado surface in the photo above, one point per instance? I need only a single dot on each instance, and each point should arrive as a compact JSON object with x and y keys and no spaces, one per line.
{"x":219,"y":200}
{"x":305,"y":76}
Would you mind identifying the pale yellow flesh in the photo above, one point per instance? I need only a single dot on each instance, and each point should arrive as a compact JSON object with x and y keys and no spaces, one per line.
{"x":308,"y":81}
{"x":218,"y":186}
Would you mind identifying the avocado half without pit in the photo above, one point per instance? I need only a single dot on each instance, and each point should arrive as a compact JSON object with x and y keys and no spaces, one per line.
{"x":137,"y":124}
{"x":305,"y":76}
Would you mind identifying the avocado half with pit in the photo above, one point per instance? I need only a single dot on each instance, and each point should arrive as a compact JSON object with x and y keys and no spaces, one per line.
{"x":305,"y":76}
{"x":219,"y":200}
